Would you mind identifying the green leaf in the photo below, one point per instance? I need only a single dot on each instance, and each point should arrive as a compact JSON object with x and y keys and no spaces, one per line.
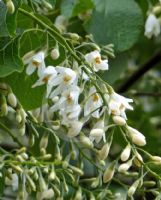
{"x":9,"y":58}
{"x":71,"y":8}
{"x":115,"y":22}
{"x":21,"y":85}
{"x":116,"y":67}
{"x":8,"y":21}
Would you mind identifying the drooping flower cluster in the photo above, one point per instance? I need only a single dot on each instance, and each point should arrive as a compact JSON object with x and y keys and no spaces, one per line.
{"x":76,"y":99}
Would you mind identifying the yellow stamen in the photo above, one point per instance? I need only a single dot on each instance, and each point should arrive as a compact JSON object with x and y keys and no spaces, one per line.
{"x":95,"y":97}
{"x":97,"y":60}
{"x":67,"y":78}
{"x":36,"y":63}
{"x":46,"y":78}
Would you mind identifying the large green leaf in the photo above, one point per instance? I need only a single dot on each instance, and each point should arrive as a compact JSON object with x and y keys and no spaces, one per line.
{"x":117,"y":22}
{"x":116,"y":67}
{"x":8,"y":21}
{"x":70,"y":8}
{"x":9,"y":58}
{"x":21,"y":85}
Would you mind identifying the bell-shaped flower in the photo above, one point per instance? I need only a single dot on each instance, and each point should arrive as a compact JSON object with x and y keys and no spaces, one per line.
{"x":118,"y":104}
{"x":97,"y":132}
{"x":93,"y":104}
{"x":94,"y":59}
{"x":35,"y":62}
{"x":152,"y":26}
{"x":47,"y":77}
{"x":64,"y":79}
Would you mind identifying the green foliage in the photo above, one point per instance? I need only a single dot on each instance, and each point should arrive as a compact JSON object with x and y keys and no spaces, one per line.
{"x":9,"y":58}
{"x":115,"y":22}
{"x":71,"y":8}
{"x":8,"y":21}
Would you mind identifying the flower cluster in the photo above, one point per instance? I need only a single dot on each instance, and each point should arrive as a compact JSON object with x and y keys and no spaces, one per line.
{"x":75,"y":100}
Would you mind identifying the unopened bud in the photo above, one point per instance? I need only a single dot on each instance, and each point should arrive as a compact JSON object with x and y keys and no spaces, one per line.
{"x":78,"y":195}
{"x":3,"y":106}
{"x":76,"y":170}
{"x":125,"y":166}
{"x":16,"y":168}
{"x":126,"y":153}
{"x":44,"y":141}
{"x":31,"y":183}
{"x":149,"y":183}
{"x":119,"y":120}
{"x":95,"y":183}
{"x":12,"y":100}
{"x":133,"y":188}
{"x":86,"y":141}
{"x":10,"y":6}
{"x":31,"y":140}
{"x":156,"y":159}
{"x":46,"y":157}
{"x":22,"y":130}
{"x":52,"y":175}
{"x":47,"y":5}
{"x":55,"y":54}
{"x":138,"y":160}
{"x":137,"y":137}
{"x":103,"y":153}
{"x":109,"y":173}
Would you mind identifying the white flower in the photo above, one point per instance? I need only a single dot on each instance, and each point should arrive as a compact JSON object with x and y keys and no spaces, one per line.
{"x":64,"y":79}
{"x":93,"y":104}
{"x":68,"y":99}
{"x":94,"y":59}
{"x":35,"y":62}
{"x":97,"y":133}
{"x":75,"y":128}
{"x":137,"y":137}
{"x":118,"y":104}
{"x":47,"y":77}
{"x":152,"y":26}
{"x":61,"y":23}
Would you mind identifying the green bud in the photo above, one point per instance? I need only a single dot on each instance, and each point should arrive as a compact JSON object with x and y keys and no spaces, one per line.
{"x":44,"y":141}
{"x":10,"y":6}
{"x":31,"y":183}
{"x":12,"y":100}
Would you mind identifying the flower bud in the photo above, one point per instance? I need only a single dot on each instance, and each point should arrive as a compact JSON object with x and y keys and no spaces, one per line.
{"x":137,"y":137}
{"x":103,"y":153}
{"x":47,"y":5}
{"x":86,"y":141}
{"x":156,"y":159}
{"x":22,"y":130}
{"x":119,"y":120}
{"x":76,"y":170}
{"x":95,"y":183}
{"x":149,"y":183}
{"x":125,"y":166}
{"x":31,"y":183}
{"x":44,"y":141}
{"x":31,"y":140}
{"x":12,"y":100}
{"x":126,"y":153}
{"x":52,"y":175}
{"x":138,"y":160}
{"x":78,"y":195}
{"x":3,"y":106}
{"x":55,"y":54}
{"x":133,"y":188}
{"x":109,"y":173}
{"x":10,"y":6}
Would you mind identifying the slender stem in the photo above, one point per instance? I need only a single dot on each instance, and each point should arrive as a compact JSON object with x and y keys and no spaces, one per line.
{"x":2,"y":126}
{"x":151,"y":63}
